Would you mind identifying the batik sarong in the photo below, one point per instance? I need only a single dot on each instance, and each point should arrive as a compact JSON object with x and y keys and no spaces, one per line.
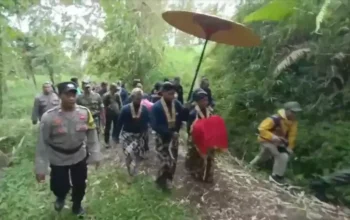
{"x":133,"y":147}
{"x":199,"y":166}
{"x":167,"y":153}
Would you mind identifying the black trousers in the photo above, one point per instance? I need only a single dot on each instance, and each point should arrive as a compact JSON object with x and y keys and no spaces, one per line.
{"x":111,"y":118}
{"x":60,"y":181}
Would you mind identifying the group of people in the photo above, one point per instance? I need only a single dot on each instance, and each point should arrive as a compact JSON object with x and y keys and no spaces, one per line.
{"x":71,"y":122}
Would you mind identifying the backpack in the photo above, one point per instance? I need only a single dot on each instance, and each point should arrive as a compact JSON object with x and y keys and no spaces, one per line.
{"x":277,"y":124}
{"x":276,"y":121}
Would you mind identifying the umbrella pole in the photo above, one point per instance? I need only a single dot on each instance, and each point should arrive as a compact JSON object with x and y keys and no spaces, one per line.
{"x":197,"y":70}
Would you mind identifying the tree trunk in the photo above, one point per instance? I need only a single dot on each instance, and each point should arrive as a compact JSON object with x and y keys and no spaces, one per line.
{"x":31,"y":72}
{"x":1,"y":78}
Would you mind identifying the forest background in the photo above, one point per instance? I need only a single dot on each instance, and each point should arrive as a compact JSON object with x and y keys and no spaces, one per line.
{"x":304,"y":57}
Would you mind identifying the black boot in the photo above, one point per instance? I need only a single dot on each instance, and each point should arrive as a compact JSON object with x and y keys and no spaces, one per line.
{"x":278,"y":180}
{"x":78,"y":210}
{"x":59,"y":204}
{"x":161,"y":183}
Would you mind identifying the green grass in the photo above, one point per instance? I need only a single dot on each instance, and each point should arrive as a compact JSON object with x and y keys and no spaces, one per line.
{"x":108,"y":196}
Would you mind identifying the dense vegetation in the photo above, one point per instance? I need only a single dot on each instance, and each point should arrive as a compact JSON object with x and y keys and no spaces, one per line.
{"x":46,"y":41}
{"x":304,"y":57}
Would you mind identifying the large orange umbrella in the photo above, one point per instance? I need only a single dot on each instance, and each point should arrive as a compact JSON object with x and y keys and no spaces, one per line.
{"x":212,"y":28}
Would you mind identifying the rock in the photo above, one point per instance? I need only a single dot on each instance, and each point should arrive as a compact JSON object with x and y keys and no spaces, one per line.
{"x":4,"y":160}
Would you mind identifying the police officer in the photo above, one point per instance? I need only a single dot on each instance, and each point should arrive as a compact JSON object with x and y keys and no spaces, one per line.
{"x":93,"y":102}
{"x":67,"y":142}
{"x":43,"y":102}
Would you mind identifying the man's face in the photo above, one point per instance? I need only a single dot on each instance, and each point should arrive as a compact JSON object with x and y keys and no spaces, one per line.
{"x":69,"y":98}
{"x":136,"y":99}
{"x":87,"y":89}
{"x":47,"y":88}
{"x":104,"y":86}
{"x":113,"y":89}
{"x":291,"y":115}
{"x":169,"y":95}
{"x":203,"y":103}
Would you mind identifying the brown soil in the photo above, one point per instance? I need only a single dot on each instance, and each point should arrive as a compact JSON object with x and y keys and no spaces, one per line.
{"x":236,"y":194}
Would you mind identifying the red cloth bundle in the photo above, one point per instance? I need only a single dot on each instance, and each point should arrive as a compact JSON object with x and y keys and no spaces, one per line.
{"x":210,"y":133}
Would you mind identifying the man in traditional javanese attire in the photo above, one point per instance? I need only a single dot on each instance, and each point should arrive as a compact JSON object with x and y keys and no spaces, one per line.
{"x":199,"y":165}
{"x":145,"y":95}
{"x":277,"y":136}
{"x":167,"y":116}
{"x":112,"y":103}
{"x":133,"y":126}
{"x":43,"y":102}
{"x":67,"y":142}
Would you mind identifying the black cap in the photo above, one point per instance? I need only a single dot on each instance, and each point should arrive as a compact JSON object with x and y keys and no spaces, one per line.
{"x":66,"y":87}
{"x":167,"y":86}
{"x":199,"y":94}
{"x":158,"y":85}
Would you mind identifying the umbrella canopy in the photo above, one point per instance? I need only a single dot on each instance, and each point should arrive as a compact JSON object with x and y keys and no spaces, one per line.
{"x":212,"y":28}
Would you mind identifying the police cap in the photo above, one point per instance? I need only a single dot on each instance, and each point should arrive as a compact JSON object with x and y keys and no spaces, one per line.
{"x":66,"y":87}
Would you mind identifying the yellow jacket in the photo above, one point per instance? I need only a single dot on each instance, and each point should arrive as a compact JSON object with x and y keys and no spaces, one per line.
{"x":288,"y":128}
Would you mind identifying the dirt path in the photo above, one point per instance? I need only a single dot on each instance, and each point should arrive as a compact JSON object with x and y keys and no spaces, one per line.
{"x":237,"y":195}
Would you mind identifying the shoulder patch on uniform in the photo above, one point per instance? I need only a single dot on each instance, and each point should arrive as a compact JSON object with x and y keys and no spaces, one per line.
{"x":82,"y":107}
{"x":90,"y":121}
{"x":53,"y":109}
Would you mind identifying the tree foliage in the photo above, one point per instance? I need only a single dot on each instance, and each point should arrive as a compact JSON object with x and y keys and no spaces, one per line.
{"x":129,"y":49}
{"x":294,"y":63}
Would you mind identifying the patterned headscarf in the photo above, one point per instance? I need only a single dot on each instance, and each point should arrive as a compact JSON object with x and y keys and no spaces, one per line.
{"x":136,"y":92}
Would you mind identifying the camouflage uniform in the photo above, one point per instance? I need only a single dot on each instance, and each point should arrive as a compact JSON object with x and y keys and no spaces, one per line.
{"x":93,"y":102}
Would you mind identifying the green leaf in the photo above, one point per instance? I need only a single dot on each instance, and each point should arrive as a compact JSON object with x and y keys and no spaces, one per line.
{"x":321,"y":15}
{"x":274,"y":11}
